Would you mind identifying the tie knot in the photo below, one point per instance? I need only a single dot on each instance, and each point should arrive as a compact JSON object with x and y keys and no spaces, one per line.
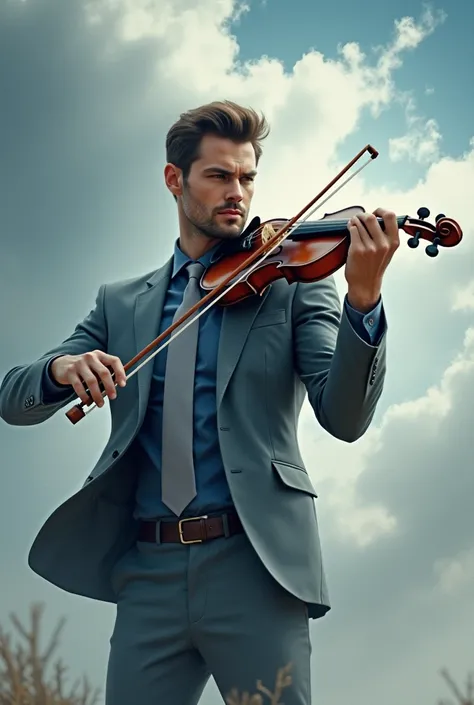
{"x":195,"y":270}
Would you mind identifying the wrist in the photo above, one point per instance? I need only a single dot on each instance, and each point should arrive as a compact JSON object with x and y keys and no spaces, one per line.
{"x":363,"y":301}
{"x":53,"y":371}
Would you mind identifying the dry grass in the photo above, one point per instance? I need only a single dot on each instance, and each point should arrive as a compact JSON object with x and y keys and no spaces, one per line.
{"x":283,"y":680}
{"x":28,"y":676}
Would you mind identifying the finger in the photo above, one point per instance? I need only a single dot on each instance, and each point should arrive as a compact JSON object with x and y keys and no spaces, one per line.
{"x":103,"y":373}
{"x":360,"y":233}
{"x":116,"y":366}
{"x":108,"y":369}
{"x":384,"y":213}
{"x":87,"y":369}
{"x":373,"y":230}
{"x":79,"y":386}
{"x":354,"y":233}
{"x":390,"y":224}
{"x":91,"y":378}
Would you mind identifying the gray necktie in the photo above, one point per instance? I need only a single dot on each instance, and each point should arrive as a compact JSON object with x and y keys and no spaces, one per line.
{"x":178,"y":483}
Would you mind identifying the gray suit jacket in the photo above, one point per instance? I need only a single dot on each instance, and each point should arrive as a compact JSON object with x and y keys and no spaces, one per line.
{"x":273,"y":350}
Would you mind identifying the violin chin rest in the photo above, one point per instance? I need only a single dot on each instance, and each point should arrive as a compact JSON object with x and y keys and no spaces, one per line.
{"x":253,"y":225}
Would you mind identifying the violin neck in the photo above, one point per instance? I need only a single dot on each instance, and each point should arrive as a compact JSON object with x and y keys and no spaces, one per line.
{"x":311,"y":228}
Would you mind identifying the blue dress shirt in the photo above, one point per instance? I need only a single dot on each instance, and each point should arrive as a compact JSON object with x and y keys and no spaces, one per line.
{"x":211,"y":484}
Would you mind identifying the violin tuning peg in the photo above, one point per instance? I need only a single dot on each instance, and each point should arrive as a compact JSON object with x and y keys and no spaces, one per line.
{"x":440,"y":216}
{"x":423,"y":213}
{"x":432,"y":250}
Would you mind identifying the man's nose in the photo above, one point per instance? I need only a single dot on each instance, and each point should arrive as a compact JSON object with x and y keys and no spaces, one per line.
{"x":234,"y":192}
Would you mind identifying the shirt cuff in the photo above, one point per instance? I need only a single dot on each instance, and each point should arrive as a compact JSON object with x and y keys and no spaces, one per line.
{"x":368,"y":326}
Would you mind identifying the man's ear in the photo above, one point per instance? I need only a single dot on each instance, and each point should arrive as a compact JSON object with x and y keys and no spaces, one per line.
{"x":174,"y":179}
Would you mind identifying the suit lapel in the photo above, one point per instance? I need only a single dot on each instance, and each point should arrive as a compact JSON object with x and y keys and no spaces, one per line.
{"x":236,"y":323}
{"x":147,"y":317}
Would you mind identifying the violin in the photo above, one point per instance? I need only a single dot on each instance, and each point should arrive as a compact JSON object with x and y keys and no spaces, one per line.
{"x":314,"y":250}
{"x":296,"y":250}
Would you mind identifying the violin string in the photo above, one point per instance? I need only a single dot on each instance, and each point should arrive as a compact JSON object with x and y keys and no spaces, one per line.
{"x":242,"y":276}
{"x":318,"y":205}
{"x":338,"y":188}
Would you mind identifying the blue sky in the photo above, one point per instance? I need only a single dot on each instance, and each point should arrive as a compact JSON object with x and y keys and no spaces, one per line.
{"x":89,"y":90}
{"x":443,"y":63}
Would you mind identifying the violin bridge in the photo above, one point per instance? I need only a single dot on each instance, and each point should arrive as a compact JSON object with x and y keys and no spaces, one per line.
{"x":268,"y":232}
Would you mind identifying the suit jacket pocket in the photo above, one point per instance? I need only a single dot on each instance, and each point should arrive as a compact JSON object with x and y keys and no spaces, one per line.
{"x":294,"y":476}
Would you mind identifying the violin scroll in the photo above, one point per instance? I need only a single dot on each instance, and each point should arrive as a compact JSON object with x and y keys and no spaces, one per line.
{"x":446,"y":232}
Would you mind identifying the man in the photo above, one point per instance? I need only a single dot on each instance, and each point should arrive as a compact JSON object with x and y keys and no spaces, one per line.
{"x":208,"y":429}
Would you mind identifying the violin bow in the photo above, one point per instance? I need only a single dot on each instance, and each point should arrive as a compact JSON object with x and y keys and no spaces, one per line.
{"x":79,"y":411}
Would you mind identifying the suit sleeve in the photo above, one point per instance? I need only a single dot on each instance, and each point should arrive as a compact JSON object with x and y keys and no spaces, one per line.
{"x":28,"y":395}
{"x":343,"y":373}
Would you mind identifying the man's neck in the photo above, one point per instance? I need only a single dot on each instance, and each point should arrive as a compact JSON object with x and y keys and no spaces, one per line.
{"x":192,"y":242}
{"x":196,"y":246}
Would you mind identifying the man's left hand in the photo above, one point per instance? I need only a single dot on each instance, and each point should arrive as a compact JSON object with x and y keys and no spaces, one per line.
{"x":370,"y":253}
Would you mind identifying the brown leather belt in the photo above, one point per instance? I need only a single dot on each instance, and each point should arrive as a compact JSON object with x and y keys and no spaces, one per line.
{"x":190,"y":529}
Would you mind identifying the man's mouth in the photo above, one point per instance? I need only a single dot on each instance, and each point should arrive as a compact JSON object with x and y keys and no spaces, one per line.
{"x":230,"y":211}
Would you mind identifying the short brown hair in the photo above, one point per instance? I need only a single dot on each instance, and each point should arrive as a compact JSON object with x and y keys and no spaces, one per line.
{"x":223,"y":118}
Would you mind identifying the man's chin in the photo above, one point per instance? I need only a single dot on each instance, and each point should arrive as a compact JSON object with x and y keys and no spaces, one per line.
{"x":226,"y":231}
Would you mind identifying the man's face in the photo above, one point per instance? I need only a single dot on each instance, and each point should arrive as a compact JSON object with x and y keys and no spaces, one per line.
{"x":218,"y":191}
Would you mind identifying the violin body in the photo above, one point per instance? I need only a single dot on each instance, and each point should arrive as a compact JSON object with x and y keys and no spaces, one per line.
{"x":313,"y":250}
{"x":294,"y":260}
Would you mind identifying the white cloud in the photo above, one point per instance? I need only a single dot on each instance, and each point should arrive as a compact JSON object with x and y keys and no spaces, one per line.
{"x":420,"y":144}
{"x":456,"y":573}
{"x":410,"y":34}
{"x":464,"y":298}
{"x":183,"y":30}
{"x":408,"y":431}
{"x":312,"y":108}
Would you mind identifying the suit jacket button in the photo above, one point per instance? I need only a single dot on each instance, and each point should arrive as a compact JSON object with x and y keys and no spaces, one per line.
{"x":115,"y":454}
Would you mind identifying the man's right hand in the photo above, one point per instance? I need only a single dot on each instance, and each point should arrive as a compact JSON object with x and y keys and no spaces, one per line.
{"x":88,"y":370}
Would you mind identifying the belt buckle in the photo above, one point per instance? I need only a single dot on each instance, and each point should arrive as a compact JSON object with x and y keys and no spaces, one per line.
{"x":180,"y":529}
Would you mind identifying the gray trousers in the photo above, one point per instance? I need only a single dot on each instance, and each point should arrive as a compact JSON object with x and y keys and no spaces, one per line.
{"x":185,"y":613}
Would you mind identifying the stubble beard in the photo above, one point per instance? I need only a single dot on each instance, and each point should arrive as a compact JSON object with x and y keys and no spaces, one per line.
{"x":203,"y":224}
{"x":213,"y":232}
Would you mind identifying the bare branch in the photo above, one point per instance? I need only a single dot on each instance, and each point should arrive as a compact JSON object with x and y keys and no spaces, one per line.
{"x":24,"y":678}
{"x":460,"y":698}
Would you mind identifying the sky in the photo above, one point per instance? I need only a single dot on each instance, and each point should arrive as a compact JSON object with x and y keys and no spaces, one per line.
{"x":88,"y":91}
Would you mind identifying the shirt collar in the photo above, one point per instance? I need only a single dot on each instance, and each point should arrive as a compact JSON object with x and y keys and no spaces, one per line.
{"x":180,"y":260}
